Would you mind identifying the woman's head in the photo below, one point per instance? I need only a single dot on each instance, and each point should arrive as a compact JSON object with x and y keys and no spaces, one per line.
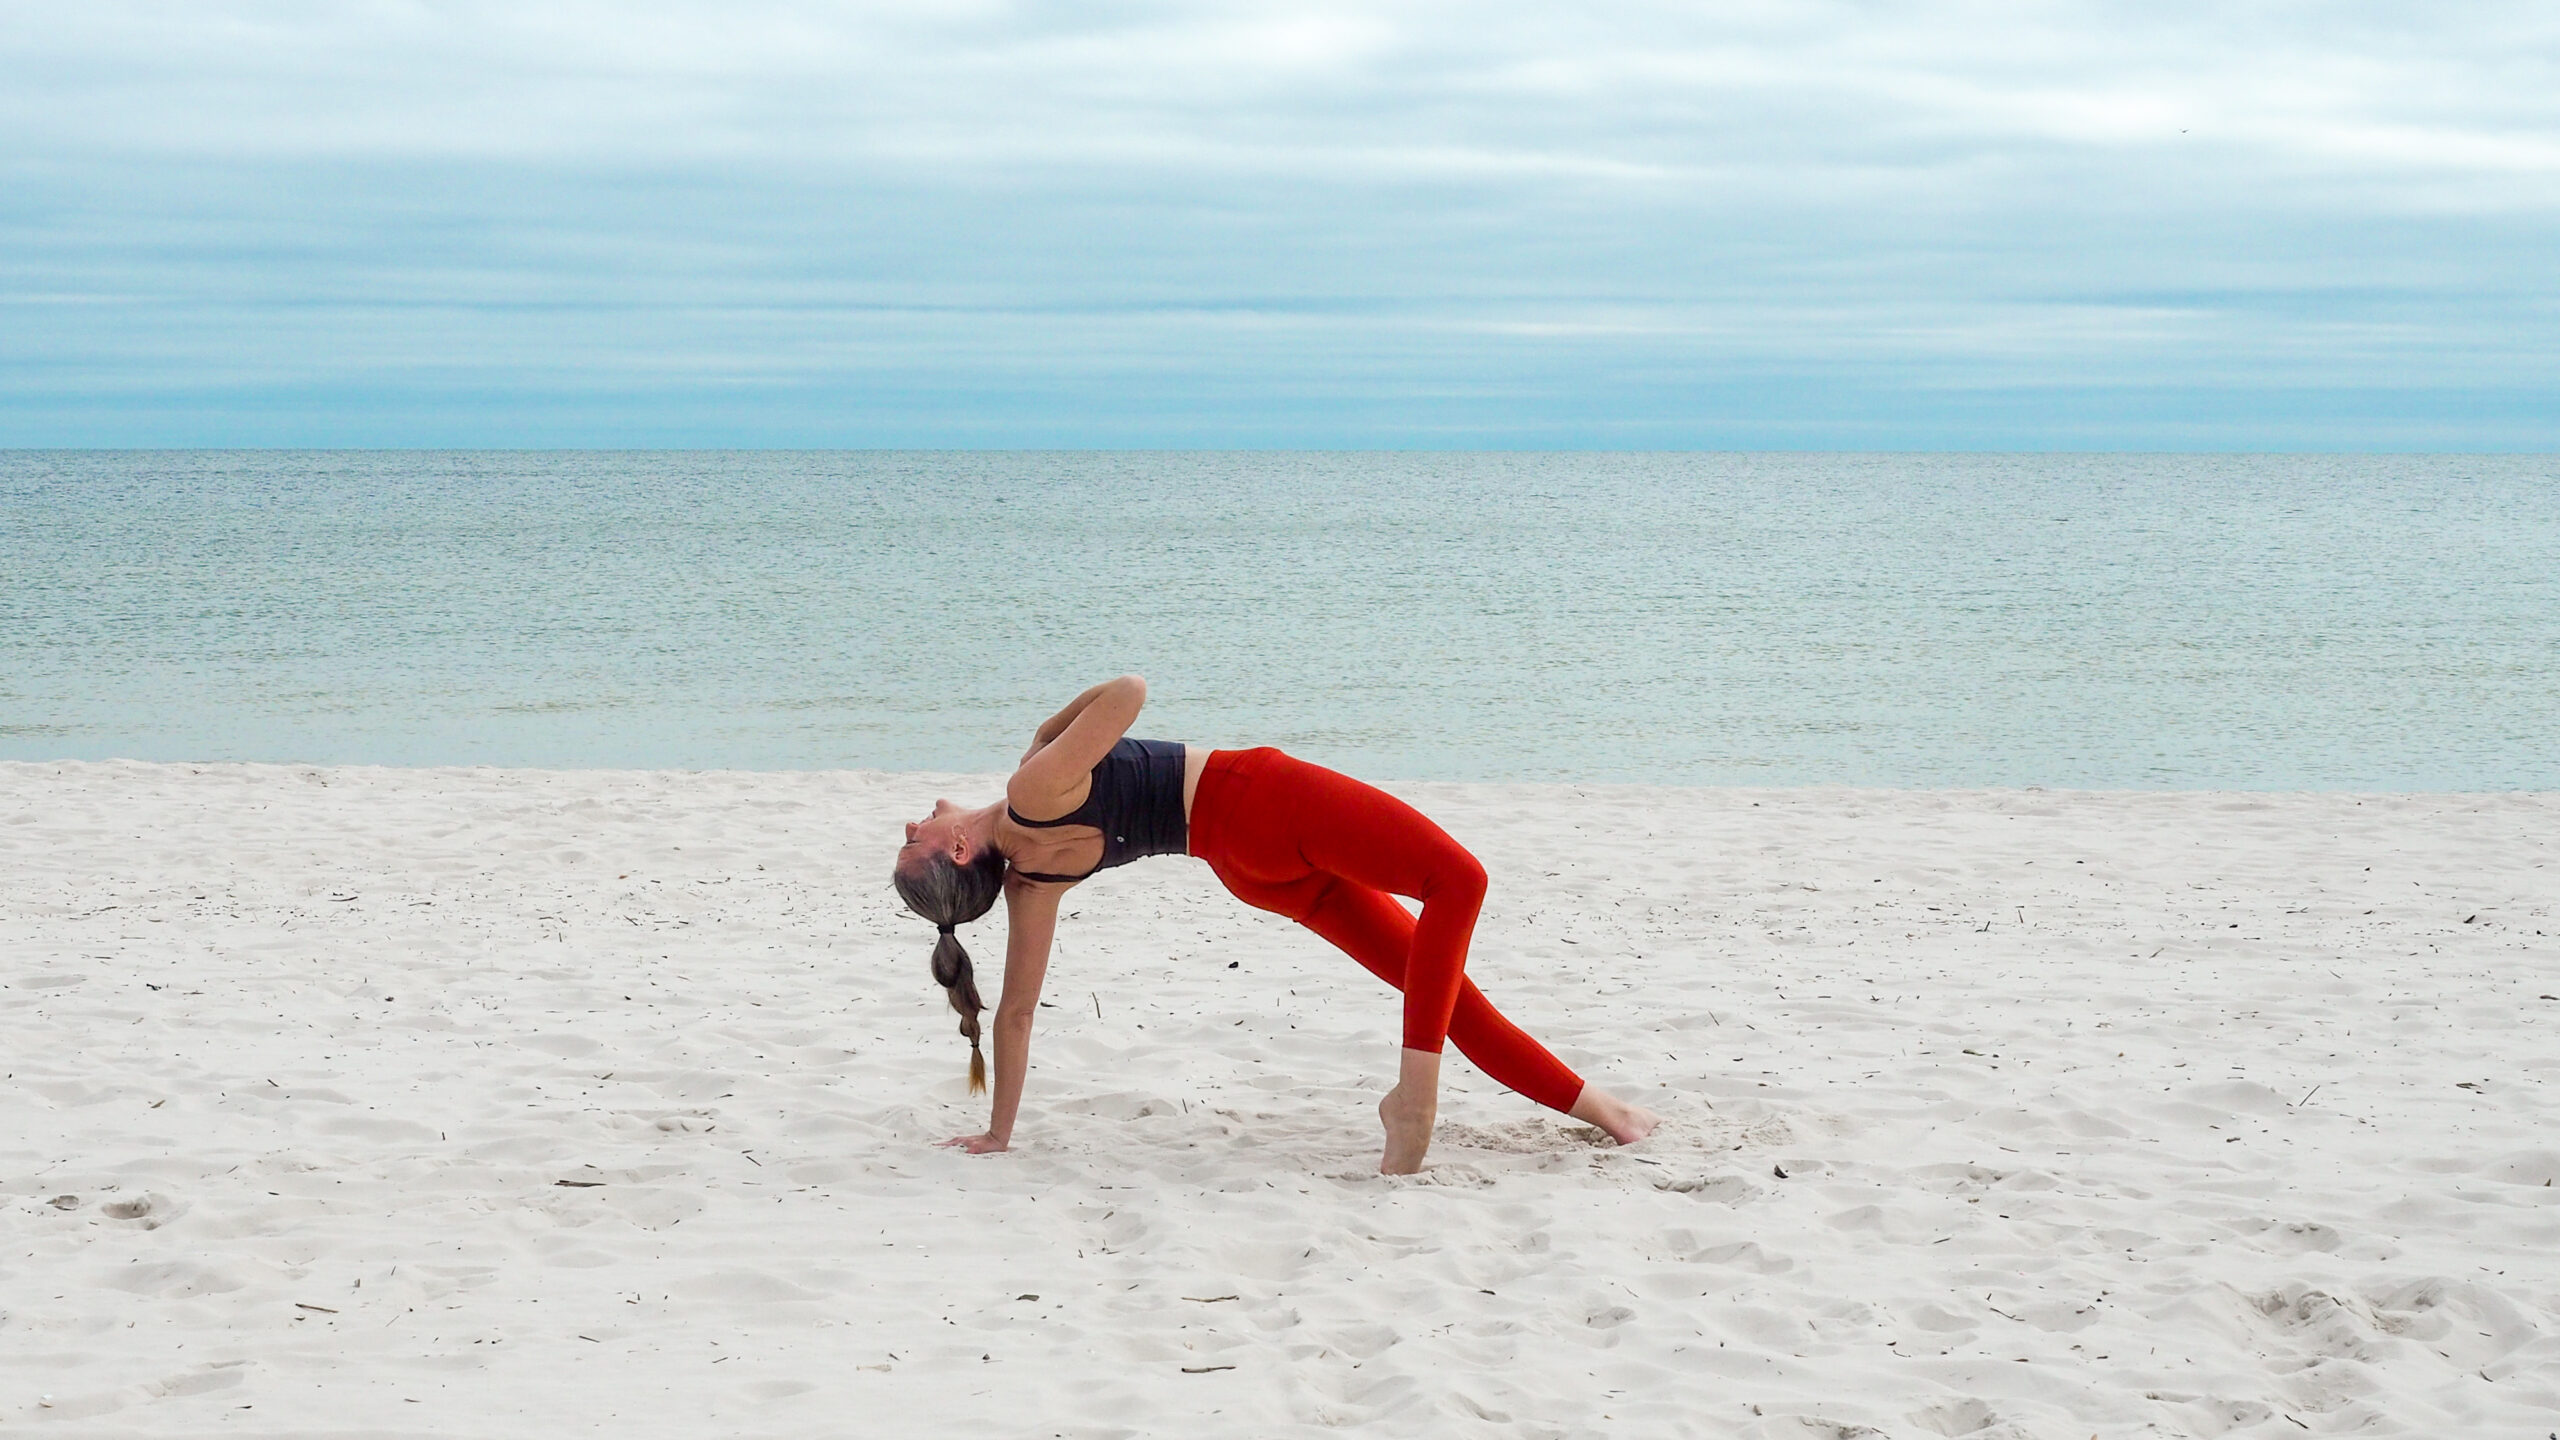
{"x":951,"y":879}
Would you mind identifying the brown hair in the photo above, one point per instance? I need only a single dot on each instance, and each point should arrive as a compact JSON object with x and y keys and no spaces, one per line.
{"x":951,"y":895}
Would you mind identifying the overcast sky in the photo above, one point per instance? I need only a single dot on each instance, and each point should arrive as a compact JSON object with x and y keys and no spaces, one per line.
{"x":1745,"y":225}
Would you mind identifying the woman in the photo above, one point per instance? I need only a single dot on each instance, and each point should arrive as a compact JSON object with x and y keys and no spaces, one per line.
{"x":1282,"y":835}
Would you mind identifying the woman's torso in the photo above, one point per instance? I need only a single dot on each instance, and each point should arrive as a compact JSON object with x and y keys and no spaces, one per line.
{"x":1125,"y":810}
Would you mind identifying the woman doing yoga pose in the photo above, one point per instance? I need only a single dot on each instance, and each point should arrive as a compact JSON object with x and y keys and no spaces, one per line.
{"x":1282,"y":835}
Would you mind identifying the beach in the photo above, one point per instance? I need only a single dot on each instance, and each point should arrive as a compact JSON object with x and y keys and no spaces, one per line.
{"x":436,"y":1102}
{"x":1987,"y":596}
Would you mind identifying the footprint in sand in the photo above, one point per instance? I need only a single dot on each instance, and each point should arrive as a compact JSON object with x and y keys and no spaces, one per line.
{"x":1969,"y":1418}
{"x":176,"y":1280}
{"x":150,"y":1208}
{"x":1725,"y":1189}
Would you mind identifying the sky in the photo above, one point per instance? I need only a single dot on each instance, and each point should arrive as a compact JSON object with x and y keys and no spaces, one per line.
{"x":2238,"y":225}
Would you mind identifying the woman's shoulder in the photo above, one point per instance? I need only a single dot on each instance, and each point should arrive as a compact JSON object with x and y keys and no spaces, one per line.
{"x":1030,"y":799}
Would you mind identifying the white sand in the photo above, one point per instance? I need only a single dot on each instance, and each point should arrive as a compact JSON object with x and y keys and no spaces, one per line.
{"x":2099,"y":1115}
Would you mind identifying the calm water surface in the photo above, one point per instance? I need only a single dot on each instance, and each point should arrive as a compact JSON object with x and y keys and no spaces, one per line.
{"x":2112,"y":621}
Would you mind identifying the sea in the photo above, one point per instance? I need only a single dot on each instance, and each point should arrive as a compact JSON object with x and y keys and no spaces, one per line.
{"x":2227,"y":622}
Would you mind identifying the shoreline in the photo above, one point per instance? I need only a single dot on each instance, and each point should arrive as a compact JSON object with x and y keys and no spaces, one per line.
{"x":994,"y":780}
{"x":544,"y":1097}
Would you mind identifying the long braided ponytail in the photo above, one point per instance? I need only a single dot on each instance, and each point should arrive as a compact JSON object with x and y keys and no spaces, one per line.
{"x":950,"y":896}
{"x":951,"y":972}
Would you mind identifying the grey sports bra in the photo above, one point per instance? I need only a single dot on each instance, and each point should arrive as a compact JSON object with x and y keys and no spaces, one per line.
{"x":1135,"y":800}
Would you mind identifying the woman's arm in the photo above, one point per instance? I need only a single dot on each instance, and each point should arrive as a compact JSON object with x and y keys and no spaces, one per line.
{"x":1058,"y":767}
{"x":1031,"y":924}
{"x":1051,"y":728}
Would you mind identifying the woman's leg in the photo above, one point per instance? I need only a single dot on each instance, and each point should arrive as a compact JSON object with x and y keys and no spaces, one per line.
{"x":1376,"y":931}
{"x":1361,"y":834}
{"x":1288,"y":837}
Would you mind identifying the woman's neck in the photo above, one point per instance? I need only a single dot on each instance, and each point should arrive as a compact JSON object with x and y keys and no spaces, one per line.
{"x":987,"y":827}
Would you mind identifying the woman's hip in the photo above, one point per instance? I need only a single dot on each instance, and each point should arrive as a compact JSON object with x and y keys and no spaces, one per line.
{"x":1267,"y":818}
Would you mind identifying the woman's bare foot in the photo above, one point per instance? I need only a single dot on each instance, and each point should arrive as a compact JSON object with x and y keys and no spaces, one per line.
{"x":1625,"y":1123}
{"x":1409,"y":1111}
{"x":1408,"y":1131}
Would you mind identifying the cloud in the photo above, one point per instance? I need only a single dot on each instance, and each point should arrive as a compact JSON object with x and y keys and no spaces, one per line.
{"x":1469,"y":211}
{"x":1632,"y":91}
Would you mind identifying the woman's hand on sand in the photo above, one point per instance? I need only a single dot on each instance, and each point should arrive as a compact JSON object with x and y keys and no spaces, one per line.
{"x":986,"y":1144}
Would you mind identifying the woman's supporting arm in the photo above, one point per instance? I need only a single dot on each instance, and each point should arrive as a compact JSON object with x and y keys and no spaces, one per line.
{"x":1031,"y":925}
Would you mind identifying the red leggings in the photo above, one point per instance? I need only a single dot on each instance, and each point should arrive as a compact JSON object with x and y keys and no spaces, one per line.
{"x":1326,"y":851}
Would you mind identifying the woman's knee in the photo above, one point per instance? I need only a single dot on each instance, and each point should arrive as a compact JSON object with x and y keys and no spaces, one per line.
{"x":1458,"y":876}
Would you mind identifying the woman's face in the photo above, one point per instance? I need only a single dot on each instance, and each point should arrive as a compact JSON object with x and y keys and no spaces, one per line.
{"x":937,"y":833}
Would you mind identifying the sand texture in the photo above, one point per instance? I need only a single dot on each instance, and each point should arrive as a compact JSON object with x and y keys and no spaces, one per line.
{"x":362,"y":1102}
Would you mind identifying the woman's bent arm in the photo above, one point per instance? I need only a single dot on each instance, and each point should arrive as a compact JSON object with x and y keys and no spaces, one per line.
{"x":1056,"y":725}
{"x":1059,"y":767}
{"x":1050,"y":728}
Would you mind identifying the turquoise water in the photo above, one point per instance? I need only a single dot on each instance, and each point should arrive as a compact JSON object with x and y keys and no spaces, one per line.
{"x":1911,"y":620}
